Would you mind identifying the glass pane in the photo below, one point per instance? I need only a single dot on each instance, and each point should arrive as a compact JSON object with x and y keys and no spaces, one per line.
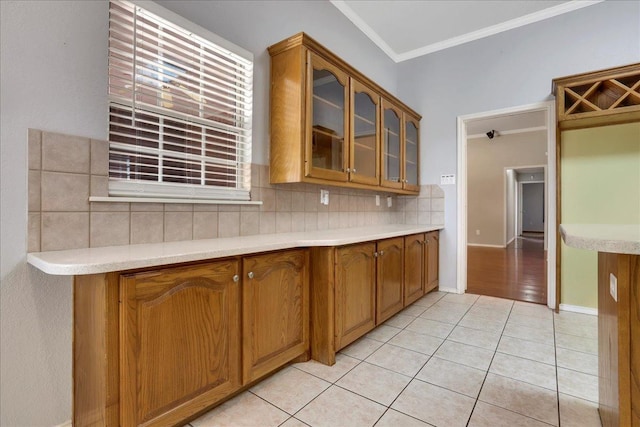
{"x":411,"y":153}
{"x":391,"y":146}
{"x":364,"y":138}
{"x":328,"y":121}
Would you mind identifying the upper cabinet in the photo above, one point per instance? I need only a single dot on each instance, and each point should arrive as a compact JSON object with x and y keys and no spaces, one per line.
{"x":329,"y":123}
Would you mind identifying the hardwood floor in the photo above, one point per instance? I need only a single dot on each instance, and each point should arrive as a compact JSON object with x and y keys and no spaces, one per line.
{"x":517,"y":272}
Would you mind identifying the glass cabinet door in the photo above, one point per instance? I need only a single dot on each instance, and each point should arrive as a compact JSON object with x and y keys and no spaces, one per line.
{"x":391,"y":146}
{"x":326,"y":153}
{"x":410,"y":154}
{"x":364,"y":166}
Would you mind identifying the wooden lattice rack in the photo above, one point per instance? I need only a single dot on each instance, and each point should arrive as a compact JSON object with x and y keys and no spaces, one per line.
{"x":603,"y":97}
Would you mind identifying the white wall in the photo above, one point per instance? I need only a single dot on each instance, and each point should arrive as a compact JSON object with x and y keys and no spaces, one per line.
{"x":486,"y":192}
{"x":53,"y":77}
{"x":508,"y":69}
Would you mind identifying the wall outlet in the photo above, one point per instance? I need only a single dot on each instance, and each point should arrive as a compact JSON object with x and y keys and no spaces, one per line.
{"x":613,"y":286}
{"x":447,"y":179}
{"x":324,"y":197}
{"x":389,"y":201}
{"x":377,"y":200}
{"x":477,"y":232}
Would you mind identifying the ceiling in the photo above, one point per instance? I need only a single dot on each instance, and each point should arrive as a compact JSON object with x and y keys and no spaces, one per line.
{"x":406,"y":29}
{"x":531,"y":121}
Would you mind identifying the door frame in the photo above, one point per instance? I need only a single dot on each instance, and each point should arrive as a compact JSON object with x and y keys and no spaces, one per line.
{"x":520,"y":194}
{"x":549,"y":108}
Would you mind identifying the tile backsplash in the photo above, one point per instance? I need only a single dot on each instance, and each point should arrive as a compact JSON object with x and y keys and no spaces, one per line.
{"x":65,"y":170}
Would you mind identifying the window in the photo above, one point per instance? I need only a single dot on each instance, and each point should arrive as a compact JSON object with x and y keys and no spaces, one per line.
{"x":180,"y":105}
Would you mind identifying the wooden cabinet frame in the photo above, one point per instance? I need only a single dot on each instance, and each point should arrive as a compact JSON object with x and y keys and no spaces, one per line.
{"x":601,"y":98}
{"x":106,"y":337}
{"x":328,"y":331}
{"x":290,"y":103}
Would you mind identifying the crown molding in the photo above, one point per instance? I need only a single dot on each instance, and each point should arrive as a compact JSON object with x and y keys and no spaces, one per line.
{"x":465,"y":38}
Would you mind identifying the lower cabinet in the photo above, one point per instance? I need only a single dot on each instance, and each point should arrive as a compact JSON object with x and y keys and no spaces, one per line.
{"x":275,"y":311}
{"x":390,"y":278}
{"x":432,"y":255}
{"x":414,"y":267}
{"x":421,"y":265}
{"x":180,"y":341}
{"x":158,"y":347}
{"x":355,"y":292}
{"x":357,"y":287}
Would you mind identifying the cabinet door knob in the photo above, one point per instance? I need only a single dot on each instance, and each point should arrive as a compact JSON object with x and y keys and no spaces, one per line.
{"x":250,"y":274}
{"x":426,"y":242}
{"x":381,"y":253}
{"x":375,"y":254}
{"x":354,"y":170}
{"x":236,"y":278}
{"x":348,"y":170}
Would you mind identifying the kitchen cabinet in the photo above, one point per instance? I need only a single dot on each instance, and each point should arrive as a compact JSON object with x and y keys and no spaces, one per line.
{"x":421,"y":265}
{"x":414,"y":267}
{"x":155,"y":347}
{"x":400,"y":133}
{"x":619,"y":340}
{"x":180,"y":341}
{"x":355,"y":291}
{"x":389,"y":278}
{"x":326,"y":123}
{"x":275,"y":311}
{"x":357,"y":287}
{"x":432,"y":254}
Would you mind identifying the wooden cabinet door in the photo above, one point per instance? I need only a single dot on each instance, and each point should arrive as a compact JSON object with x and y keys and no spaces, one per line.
{"x":327,"y":152}
{"x":355,"y":292}
{"x":179,"y":341}
{"x":390,"y":273}
{"x":411,"y":153}
{"x":391,"y":146}
{"x":414,"y":261}
{"x":432,"y":260}
{"x":275,"y":304}
{"x":364,"y":154}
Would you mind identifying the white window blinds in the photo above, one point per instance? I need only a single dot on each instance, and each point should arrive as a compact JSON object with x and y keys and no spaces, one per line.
{"x":179,"y":109}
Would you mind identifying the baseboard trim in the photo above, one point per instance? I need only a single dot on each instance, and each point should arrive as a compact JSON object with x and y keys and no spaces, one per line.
{"x":579,"y":309}
{"x":510,"y":241}
{"x":480,"y":245}
{"x":65,"y":424}
{"x":450,"y":290}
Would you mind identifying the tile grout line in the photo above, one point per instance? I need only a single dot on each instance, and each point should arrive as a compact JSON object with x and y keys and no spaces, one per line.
{"x":489,"y":367}
{"x":431,"y":356}
{"x":417,"y":372}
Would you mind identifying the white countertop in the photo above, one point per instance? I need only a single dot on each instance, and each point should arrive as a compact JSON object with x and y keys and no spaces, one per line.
{"x":120,"y":258}
{"x":613,"y":238}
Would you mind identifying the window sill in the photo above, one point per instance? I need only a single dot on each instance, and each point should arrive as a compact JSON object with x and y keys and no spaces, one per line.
{"x":167,"y":200}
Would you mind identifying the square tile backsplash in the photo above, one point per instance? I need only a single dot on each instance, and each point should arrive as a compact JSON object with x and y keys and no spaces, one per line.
{"x":65,"y":170}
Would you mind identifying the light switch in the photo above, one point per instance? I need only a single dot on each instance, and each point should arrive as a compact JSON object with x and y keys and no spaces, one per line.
{"x":389,"y":201}
{"x":324,"y":197}
{"x":447,"y":179}
{"x":377,"y":200}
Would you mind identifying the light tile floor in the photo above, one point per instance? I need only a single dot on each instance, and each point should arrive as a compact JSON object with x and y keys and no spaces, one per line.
{"x":447,"y":360}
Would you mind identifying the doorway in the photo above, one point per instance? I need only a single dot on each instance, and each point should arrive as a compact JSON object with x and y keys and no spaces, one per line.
{"x":522,"y":259}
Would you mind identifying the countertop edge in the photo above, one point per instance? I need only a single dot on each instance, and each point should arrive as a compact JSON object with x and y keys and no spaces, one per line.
{"x":592,"y":237}
{"x":129,"y":257}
